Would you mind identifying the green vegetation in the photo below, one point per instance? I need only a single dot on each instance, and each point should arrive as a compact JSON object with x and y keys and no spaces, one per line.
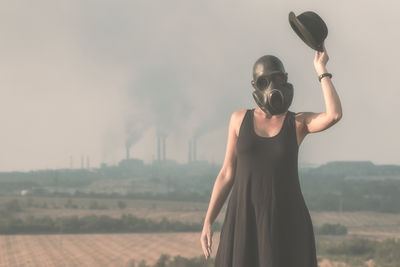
{"x":95,"y":224}
{"x":358,"y":250}
{"x":171,"y":196}
{"x":319,"y":194}
{"x":335,"y":186}
{"x":166,"y":260}
{"x":121,"y":204}
{"x":353,"y":195}
{"x":331,"y":229}
{"x":94,"y":205}
{"x":354,"y":252}
{"x":10,"y":207}
{"x":70,"y":205}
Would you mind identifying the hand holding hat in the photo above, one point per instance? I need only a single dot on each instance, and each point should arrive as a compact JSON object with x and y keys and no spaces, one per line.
{"x":320,"y":60}
{"x":310,"y":27}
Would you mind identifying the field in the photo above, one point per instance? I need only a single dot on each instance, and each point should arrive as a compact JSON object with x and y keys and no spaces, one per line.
{"x":121,"y":249}
{"x":101,"y":249}
{"x":151,"y":209}
{"x":186,"y":211}
{"x":94,"y":249}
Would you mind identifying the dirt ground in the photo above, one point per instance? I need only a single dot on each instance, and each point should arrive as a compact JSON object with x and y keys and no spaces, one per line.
{"x":104,"y":249}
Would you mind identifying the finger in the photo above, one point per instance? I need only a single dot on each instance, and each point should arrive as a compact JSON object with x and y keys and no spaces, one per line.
{"x":204,"y":247}
{"x":323,"y":45}
{"x":206,"y":253}
{"x":206,"y":242}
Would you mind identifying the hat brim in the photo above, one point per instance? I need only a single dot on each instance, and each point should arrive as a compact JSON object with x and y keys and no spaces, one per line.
{"x":303,"y":33}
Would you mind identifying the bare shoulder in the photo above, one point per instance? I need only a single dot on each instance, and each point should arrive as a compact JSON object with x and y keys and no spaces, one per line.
{"x":300,"y":117}
{"x":301,"y":130}
{"x":237,"y":118}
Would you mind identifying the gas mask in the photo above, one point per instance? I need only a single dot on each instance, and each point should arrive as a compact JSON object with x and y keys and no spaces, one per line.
{"x":273,"y":94}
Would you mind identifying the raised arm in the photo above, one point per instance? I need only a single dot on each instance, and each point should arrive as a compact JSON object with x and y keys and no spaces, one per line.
{"x":316,"y":122}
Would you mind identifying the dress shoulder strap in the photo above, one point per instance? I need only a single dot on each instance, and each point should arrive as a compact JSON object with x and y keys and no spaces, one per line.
{"x":292,"y":125}
{"x":244,"y":126}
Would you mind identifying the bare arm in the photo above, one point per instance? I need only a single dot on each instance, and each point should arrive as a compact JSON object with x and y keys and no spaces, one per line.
{"x":224,"y":180}
{"x":316,"y":122}
{"x":222,"y":186}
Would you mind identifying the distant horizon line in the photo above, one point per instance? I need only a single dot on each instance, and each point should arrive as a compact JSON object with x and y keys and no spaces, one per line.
{"x":301,"y":164}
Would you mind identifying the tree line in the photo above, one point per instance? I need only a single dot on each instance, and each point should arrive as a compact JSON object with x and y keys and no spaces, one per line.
{"x":127,"y":223}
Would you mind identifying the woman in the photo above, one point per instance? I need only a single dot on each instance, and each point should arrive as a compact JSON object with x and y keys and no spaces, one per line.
{"x":267,"y":222}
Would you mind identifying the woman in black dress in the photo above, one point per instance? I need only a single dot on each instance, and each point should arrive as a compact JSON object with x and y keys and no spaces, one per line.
{"x":267,"y":222}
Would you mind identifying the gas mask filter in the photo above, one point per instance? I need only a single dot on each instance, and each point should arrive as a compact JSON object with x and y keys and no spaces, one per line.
{"x":273,"y":94}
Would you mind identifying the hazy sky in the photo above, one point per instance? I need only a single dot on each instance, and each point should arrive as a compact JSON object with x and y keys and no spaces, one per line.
{"x":78,"y":78}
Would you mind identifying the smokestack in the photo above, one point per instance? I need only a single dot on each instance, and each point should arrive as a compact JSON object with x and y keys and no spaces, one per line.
{"x":190,"y":151}
{"x":163,"y":146}
{"x":87,"y":162}
{"x":127,"y":146}
{"x":82,"y":162}
{"x":194,"y":149}
{"x":158,"y":147}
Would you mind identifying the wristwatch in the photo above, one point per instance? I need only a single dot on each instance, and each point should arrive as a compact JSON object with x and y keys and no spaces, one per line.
{"x":324,"y":75}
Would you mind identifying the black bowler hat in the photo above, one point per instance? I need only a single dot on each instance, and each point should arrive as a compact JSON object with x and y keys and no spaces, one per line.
{"x":310,"y":28}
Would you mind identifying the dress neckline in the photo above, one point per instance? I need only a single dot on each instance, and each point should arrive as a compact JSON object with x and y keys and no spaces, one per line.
{"x":267,"y":137}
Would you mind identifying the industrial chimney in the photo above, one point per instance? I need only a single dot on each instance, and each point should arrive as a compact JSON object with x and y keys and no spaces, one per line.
{"x":190,"y":151}
{"x":158,"y":148}
{"x":127,"y":147}
{"x":194,"y":148}
{"x":163,"y":146}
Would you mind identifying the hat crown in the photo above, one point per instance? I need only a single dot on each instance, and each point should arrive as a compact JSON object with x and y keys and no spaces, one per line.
{"x":310,"y":27}
{"x":314,"y":24}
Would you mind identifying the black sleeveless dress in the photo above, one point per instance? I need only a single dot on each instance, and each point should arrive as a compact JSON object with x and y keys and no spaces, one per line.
{"x":267,"y":222}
